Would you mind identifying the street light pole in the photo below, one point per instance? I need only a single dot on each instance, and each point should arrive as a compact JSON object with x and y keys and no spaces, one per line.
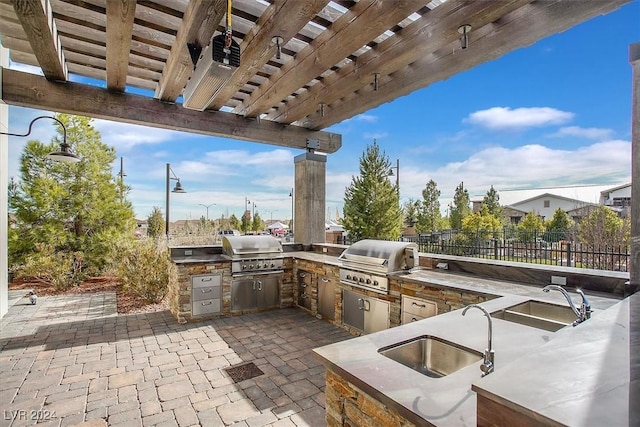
{"x":207,"y":206}
{"x":292,"y":195}
{"x":178,"y":189}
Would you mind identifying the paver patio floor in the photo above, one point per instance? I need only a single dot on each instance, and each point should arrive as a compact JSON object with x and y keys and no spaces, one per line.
{"x":72,"y":360}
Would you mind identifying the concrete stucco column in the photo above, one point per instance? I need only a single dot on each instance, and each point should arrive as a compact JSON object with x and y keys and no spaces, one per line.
{"x":4,"y":180}
{"x":309,"y":198}
{"x":634,"y":270}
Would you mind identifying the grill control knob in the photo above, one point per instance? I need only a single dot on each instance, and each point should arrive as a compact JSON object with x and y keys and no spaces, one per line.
{"x":244,"y":266}
{"x":375,"y":283}
{"x":272,"y":265}
{"x":251,"y":266}
{"x":368,"y":281}
{"x":361,"y":280}
{"x":266,"y":265}
{"x":348,"y":277}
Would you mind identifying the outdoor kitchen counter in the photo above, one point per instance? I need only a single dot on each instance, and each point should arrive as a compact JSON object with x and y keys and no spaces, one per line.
{"x":474,"y":284}
{"x":440,"y":401}
{"x":189,"y":259}
{"x":581,"y":377}
{"x":520,"y":352}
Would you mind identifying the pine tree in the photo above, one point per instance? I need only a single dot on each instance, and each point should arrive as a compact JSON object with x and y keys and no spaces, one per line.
{"x":492,"y":202}
{"x":155,"y":223}
{"x":72,"y":208}
{"x":371,"y":203}
{"x":429,"y":211}
{"x":460,"y":208}
{"x":410,"y":212}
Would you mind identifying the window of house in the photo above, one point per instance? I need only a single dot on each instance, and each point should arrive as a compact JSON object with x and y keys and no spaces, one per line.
{"x":547,"y":203}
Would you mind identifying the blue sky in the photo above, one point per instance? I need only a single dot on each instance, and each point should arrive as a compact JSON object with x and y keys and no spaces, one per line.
{"x":557,"y":113}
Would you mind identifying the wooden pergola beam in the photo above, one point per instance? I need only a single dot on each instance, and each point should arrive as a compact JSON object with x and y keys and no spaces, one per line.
{"x":31,"y":91}
{"x":36,"y":18}
{"x":524,"y":26}
{"x":120,"y":15}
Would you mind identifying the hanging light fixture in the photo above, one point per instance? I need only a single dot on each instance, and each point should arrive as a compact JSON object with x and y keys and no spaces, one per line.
{"x":375,"y":81}
{"x":464,"y":40}
{"x":64,"y":155}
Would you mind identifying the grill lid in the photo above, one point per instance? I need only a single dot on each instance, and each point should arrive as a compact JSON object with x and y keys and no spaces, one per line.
{"x":380,"y":255}
{"x":242,"y":246}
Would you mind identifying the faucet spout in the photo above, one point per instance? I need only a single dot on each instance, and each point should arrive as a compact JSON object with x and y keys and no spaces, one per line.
{"x":583,"y":313}
{"x":489,"y":355}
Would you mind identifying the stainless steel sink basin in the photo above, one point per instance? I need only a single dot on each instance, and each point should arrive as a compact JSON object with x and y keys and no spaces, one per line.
{"x":538,"y":314}
{"x":431,"y":356}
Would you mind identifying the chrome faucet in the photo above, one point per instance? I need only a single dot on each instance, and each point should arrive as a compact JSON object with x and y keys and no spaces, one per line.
{"x":583,"y":313}
{"x":489,"y":355}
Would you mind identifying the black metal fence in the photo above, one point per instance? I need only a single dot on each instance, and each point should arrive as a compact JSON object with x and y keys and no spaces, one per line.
{"x":551,"y":248}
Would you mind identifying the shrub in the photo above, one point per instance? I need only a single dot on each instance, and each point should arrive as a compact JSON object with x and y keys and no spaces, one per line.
{"x":143,"y":268}
{"x":62,"y":270}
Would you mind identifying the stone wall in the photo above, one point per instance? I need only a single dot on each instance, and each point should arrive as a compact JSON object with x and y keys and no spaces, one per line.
{"x":179,"y":292}
{"x":347,"y":405}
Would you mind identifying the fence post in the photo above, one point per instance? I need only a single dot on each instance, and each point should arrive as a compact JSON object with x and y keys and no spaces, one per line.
{"x":495,"y":248}
{"x":568,"y":254}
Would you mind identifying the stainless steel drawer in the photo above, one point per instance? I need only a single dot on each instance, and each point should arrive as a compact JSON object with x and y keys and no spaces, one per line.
{"x":206,"y":280}
{"x":206,"y":292}
{"x":208,"y":306}
{"x":418,"y":307}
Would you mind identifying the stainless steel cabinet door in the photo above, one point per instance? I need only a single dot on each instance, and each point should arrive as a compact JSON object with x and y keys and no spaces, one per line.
{"x":267,"y":292}
{"x":326,"y":298}
{"x":243,"y":294}
{"x":352,"y":313}
{"x":376,"y":315}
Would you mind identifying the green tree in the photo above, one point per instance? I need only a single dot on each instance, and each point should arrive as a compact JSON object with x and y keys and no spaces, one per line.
{"x":257,"y":224}
{"x":234,"y":222}
{"x":603,"y":227}
{"x":245,"y":223}
{"x":558,"y":226}
{"x":72,"y":208}
{"x":155,"y":223}
{"x":429,"y":209}
{"x":481,"y":224}
{"x":410,"y":212}
{"x":371,"y":204}
{"x":492,"y":201}
{"x":460,"y":208}
{"x":530,"y":227}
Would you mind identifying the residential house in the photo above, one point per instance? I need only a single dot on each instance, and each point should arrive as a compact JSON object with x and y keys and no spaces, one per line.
{"x":545,"y":206}
{"x":618,"y":198}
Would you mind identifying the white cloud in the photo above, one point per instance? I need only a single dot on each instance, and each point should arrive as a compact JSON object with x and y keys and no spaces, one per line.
{"x":369,"y":118}
{"x":590,"y":133}
{"x":498,"y":118}
{"x":535,"y":165}
{"x":125,"y":136}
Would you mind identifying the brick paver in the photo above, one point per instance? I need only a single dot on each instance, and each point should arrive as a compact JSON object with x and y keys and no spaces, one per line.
{"x":72,"y":360}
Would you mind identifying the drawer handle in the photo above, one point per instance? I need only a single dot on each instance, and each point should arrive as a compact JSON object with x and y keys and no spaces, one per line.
{"x":206,"y":279}
{"x":304,"y":286}
{"x":325,"y":280}
{"x":303,"y":274}
{"x":419,"y":305}
{"x":206,"y":291}
{"x":413,"y":319}
{"x":206,"y":303}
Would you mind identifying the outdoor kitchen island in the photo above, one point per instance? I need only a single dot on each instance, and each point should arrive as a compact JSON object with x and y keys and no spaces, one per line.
{"x":536,"y":371}
{"x":574,"y":376}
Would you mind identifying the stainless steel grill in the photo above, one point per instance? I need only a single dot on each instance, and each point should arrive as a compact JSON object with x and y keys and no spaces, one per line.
{"x":253,"y":254}
{"x":366,"y":263}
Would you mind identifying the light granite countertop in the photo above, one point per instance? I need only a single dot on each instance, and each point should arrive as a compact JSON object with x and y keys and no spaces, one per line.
{"x":451,"y":400}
